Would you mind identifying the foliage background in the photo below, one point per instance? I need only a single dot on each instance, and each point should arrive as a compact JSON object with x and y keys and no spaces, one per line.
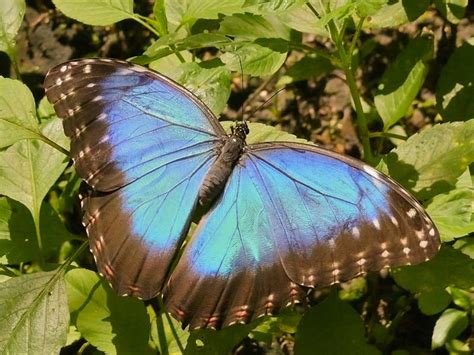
{"x":388,"y":81}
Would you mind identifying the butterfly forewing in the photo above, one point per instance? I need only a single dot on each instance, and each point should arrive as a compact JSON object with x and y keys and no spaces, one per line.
{"x":144,"y":144}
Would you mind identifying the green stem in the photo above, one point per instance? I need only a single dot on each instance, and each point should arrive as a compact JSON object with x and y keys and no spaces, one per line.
{"x":387,"y":135}
{"x":148,"y":26}
{"x":73,"y":257}
{"x":346,"y":60}
{"x":14,"y":60}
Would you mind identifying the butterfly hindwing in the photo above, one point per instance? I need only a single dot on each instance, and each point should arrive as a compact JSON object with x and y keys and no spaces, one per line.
{"x":294,"y":216}
{"x":144,"y":144}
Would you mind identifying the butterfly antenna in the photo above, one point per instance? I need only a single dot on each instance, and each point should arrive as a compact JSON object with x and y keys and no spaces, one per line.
{"x":266,"y":101}
{"x":242,"y":85}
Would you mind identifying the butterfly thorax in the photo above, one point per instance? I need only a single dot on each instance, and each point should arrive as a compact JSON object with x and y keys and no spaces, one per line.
{"x":229,"y":154}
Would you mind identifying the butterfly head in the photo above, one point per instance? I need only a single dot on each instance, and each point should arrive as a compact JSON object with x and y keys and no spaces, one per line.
{"x":241,"y":129}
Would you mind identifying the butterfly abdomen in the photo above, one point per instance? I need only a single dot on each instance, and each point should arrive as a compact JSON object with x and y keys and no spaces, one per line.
{"x":217,"y":176}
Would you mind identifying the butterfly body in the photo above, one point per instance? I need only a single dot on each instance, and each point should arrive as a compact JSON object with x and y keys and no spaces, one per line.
{"x":228,"y":155}
{"x":282,"y":217}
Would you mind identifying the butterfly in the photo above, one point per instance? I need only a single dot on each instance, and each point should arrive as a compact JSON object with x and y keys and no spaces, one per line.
{"x":282,"y":217}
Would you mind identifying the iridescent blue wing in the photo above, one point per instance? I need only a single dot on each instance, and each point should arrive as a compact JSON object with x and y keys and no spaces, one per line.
{"x":293,"y":217}
{"x":143,"y":144}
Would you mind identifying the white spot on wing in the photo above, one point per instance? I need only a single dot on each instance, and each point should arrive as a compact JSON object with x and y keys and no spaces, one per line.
{"x":424,"y":244}
{"x":87,"y":69}
{"x":355,"y":232}
{"x":394,"y":221}
{"x":432,"y":232}
{"x":63,"y":68}
{"x":411,"y":213}
{"x":376,"y":223}
{"x":59,"y":81}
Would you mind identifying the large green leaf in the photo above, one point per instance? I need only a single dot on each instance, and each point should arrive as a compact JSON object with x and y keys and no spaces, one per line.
{"x":96,"y":12}
{"x":449,"y":267}
{"x":453,"y":211}
{"x":17,"y":112}
{"x":11,"y":16}
{"x":332,"y":327}
{"x":165,"y":335}
{"x":188,"y":11}
{"x":310,"y":66}
{"x":455,"y":88}
{"x":248,"y":26}
{"x":34,"y":315}
{"x":397,"y":13}
{"x":258,"y":58}
{"x":431,"y":161}
{"x":18,"y":242}
{"x":211,"y":83}
{"x":113,"y":324}
{"x":403,"y":80}
{"x":451,"y":323}
{"x":29,"y":168}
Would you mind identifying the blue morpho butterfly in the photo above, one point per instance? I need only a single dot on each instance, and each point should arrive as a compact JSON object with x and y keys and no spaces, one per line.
{"x":283,"y":217}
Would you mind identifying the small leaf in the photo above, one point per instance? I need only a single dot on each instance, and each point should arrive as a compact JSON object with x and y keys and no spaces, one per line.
{"x":17,"y":112}
{"x":452,"y":212}
{"x":397,"y":13}
{"x":35,"y":316}
{"x":451,"y":323}
{"x":449,"y":267}
{"x":455,"y":88}
{"x":189,"y":11}
{"x":332,"y":327}
{"x":257,"y":58}
{"x":18,"y":241}
{"x":260,"y":132}
{"x":163,"y":335}
{"x":403,"y":80}
{"x":96,"y":12}
{"x":29,"y":168}
{"x":302,"y":19}
{"x":431,"y":161}
{"x":160,"y":15}
{"x":111,"y":323}
{"x":211,"y":85}
{"x":434,"y":301}
{"x":366,"y":8}
{"x":453,"y":10}
{"x":248,"y":26}
{"x":11,"y":16}
{"x":461,"y":298}
{"x":465,"y":245}
{"x":308,"y":67}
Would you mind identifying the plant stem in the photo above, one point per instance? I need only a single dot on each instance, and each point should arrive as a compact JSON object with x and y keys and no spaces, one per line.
{"x":346,"y":59}
{"x":148,"y":26}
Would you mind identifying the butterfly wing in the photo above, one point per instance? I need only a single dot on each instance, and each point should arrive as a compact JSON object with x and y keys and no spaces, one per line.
{"x":143,"y":144}
{"x":294,"y":216}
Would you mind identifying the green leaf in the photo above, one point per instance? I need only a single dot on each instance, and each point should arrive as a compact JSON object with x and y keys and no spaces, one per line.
{"x":453,"y":10}
{"x":248,"y":26}
{"x":455,"y":88}
{"x":96,"y":12}
{"x":403,"y":80}
{"x":17,"y":112}
{"x":302,"y":19}
{"x":258,"y":58}
{"x":434,"y":301}
{"x":18,"y":241}
{"x":449,"y":267}
{"x":35,"y":316}
{"x":188,"y":11}
{"x":452,"y":212}
{"x":11,"y":16}
{"x":451,"y":323}
{"x":211,"y":85}
{"x":465,"y":245}
{"x":211,"y":342}
{"x":260,"y":132}
{"x":160,"y":15}
{"x":367,"y":8}
{"x":29,"y":168}
{"x":163,"y":335}
{"x":111,"y":323}
{"x":308,"y":67}
{"x":332,"y":327}
{"x":397,"y":13}
{"x":431,"y":161}
{"x":461,"y":298}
